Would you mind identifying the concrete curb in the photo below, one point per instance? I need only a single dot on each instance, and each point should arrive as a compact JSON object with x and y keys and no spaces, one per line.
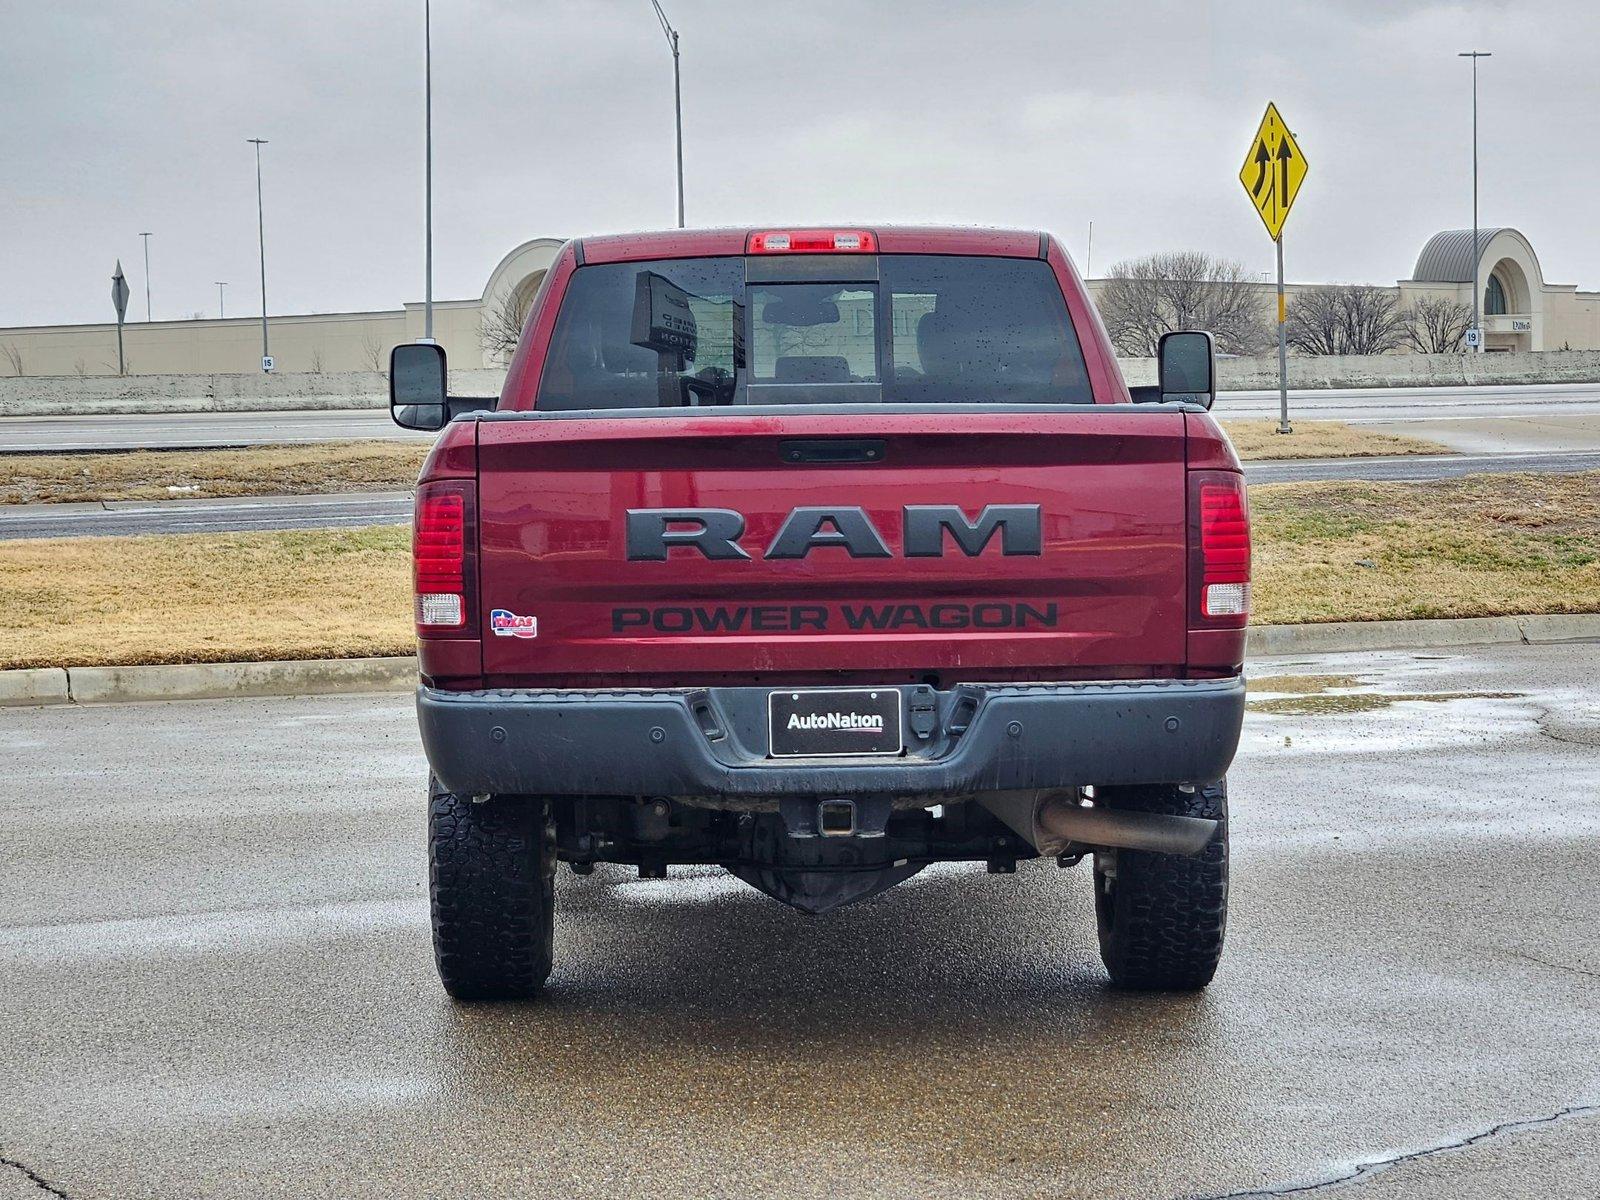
{"x":1541,"y":629}
{"x":202,"y":681}
{"x":1383,"y":635}
{"x":37,"y":685}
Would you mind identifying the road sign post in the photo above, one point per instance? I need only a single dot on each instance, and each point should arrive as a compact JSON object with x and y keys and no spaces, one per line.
{"x":1283,"y":347}
{"x":119,"y":298}
{"x":1272,"y":174}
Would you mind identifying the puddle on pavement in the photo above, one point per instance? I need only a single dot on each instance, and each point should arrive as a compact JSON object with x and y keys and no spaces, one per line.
{"x":1361,"y":702}
{"x":1324,"y":695}
{"x":1301,"y":685}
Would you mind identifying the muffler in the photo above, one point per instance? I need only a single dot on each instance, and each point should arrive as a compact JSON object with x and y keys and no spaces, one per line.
{"x":1052,"y":820}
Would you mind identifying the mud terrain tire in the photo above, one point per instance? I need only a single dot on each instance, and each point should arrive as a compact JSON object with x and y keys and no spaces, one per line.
{"x":1162,"y":917}
{"x":491,"y":870}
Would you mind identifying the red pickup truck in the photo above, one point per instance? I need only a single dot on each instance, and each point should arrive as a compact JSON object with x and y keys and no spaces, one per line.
{"x":822,"y":555}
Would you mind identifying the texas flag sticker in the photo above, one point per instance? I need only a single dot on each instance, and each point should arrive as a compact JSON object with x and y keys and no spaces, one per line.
{"x":508,"y":624}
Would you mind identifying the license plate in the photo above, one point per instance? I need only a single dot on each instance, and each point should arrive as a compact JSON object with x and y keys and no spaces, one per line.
{"x":822,"y":724}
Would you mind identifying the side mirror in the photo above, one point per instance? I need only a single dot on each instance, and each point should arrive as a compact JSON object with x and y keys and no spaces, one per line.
{"x":417,"y":375}
{"x":1187,"y":367}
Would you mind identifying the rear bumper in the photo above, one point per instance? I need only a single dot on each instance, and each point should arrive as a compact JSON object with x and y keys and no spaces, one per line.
{"x":711,"y":742}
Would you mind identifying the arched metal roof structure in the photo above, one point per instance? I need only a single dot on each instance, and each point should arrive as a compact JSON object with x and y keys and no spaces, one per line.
{"x":1447,"y":258}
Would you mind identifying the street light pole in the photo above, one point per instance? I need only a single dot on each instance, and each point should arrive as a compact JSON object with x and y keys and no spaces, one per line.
{"x":677,"y":96}
{"x":261,"y":233}
{"x":222,"y":307}
{"x":146,"y":238}
{"x":1477,"y":293}
{"x":427,"y":57}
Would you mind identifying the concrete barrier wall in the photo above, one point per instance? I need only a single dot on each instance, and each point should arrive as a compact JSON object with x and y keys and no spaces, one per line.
{"x":1393,"y":370}
{"x":65,"y":395}
{"x":53,"y":395}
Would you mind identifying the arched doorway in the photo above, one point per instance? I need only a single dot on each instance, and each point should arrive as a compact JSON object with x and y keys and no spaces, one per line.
{"x":509,"y":294}
{"x":1508,"y":306}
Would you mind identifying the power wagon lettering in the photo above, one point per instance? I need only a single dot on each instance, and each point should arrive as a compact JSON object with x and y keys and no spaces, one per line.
{"x":715,"y":532}
{"x":816,"y":618}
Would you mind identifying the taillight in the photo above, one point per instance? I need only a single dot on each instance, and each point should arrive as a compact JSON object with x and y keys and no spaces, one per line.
{"x":1219,"y":549}
{"x":443,"y":556}
{"x":812,"y":241}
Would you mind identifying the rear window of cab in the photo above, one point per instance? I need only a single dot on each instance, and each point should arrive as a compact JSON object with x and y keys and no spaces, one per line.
{"x":900,"y":329}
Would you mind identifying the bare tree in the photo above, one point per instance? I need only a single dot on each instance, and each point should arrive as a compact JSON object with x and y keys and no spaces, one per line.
{"x":1437,"y":325}
{"x":79,"y":367}
{"x":1346,"y":319}
{"x":13,"y":355}
{"x":500,"y":327}
{"x":1160,"y":293}
{"x":316,"y":359}
{"x":372,"y":351}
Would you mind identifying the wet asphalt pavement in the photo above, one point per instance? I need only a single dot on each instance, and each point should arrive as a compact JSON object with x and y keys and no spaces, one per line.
{"x":217,"y":980}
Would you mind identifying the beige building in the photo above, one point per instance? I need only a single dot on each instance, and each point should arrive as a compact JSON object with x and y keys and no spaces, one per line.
{"x":1522,"y":312}
{"x":351,"y":341}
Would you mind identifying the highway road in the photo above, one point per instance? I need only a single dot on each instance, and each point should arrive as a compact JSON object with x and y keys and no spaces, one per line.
{"x":381,"y":508}
{"x":218,"y":980}
{"x":1377,"y":405}
{"x":123,"y":517}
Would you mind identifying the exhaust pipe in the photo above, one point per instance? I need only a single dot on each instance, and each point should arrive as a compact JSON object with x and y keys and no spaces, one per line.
{"x":1060,"y":817}
{"x":1050,"y":821}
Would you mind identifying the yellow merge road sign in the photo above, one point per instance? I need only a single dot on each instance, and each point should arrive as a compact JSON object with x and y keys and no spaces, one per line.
{"x":1273,"y":171}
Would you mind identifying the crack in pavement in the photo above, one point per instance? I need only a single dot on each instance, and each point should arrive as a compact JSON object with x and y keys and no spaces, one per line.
{"x":1587,"y":742}
{"x":1554,"y":966}
{"x":33,"y":1177}
{"x":1566,"y":738}
{"x":1376,"y":1166}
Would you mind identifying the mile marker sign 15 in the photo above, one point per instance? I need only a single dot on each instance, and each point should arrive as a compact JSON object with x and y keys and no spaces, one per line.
{"x":1273,"y":171}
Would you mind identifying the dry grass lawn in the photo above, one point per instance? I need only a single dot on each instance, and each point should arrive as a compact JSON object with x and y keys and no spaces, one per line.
{"x":205,"y":597}
{"x":1479,"y":546}
{"x":196,"y":474}
{"x":1257,"y":440}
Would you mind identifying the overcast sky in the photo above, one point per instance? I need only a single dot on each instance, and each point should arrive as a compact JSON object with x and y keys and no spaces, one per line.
{"x":555,"y":118}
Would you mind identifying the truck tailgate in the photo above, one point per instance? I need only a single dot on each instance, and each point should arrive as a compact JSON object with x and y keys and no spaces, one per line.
{"x":1098,"y":587}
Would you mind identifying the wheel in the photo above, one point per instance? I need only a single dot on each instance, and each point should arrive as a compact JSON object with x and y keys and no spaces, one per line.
{"x":491,"y":870}
{"x":1161,"y":917}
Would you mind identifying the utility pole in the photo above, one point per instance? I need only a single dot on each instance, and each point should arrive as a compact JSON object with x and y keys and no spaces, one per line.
{"x":222,"y":307}
{"x":261,"y":232}
{"x":677,"y":95}
{"x":1477,"y":291}
{"x":1088,"y":255}
{"x":427,"y":204}
{"x":146,"y":238}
